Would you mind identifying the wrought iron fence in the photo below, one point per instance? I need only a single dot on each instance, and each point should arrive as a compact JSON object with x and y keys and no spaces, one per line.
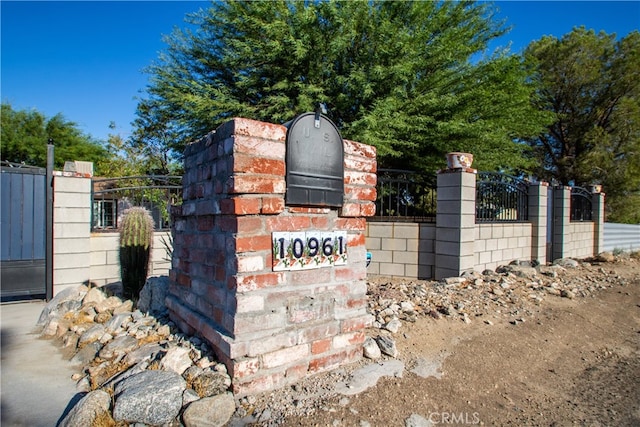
{"x":405,"y":196}
{"x":581,"y":207}
{"x":501,"y":198}
{"x":112,"y":196}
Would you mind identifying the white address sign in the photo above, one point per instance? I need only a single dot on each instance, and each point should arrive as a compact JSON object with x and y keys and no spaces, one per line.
{"x":300,"y":250}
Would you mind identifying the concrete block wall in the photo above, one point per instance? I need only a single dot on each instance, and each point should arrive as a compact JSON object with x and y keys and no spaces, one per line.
{"x":105,"y":263}
{"x":71,"y":231}
{"x":500,"y":243}
{"x":455,"y":222}
{"x":579,"y":239}
{"x":402,"y":249}
{"x":269,"y":327}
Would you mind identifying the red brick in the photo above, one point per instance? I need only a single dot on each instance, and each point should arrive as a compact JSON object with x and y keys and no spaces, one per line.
{"x":249,"y":224}
{"x":245,"y":368}
{"x":258,"y":165}
{"x":285,"y":356}
{"x":321,"y":275}
{"x":259,"y":384}
{"x":315,"y":333}
{"x":350,"y":210}
{"x":368,"y":209}
{"x":360,"y":178}
{"x":354,"y":224}
{"x":288,"y":223}
{"x":205,"y":223}
{"x":251,"y":282}
{"x":348,"y":339}
{"x":255,"y":184}
{"x":354,"y":163}
{"x":360,"y":193}
{"x":356,"y":324}
{"x":357,"y":302}
{"x":272,"y":205}
{"x":249,"y":127}
{"x":184,"y":280}
{"x":321,"y":346}
{"x":294,"y":373}
{"x":240,"y":206}
{"x":349,"y":274}
{"x":325,"y":363}
{"x":253,"y":243}
{"x":320,"y":222}
{"x":354,"y":240}
{"x":360,"y":149}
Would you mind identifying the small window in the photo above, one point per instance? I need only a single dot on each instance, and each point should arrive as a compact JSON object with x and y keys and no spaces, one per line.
{"x":104,"y":214}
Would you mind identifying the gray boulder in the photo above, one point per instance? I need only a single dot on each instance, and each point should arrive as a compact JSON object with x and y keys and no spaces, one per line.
{"x":88,"y":410}
{"x":150,"y":397}
{"x":121,"y":345}
{"x":566,"y":263}
{"x":95,"y":296}
{"x":387,"y":346}
{"x":210,"y":411}
{"x":152,"y":296}
{"x":211,"y":383}
{"x":87,"y":353}
{"x":57,"y":305}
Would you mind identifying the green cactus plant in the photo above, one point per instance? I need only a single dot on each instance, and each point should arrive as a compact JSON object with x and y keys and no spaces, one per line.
{"x":136,"y":236}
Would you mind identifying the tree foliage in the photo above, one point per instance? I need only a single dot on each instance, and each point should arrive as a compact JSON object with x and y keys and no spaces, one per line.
{"x":591,"y":83}
{"x":411,"y":78}
{"x":25,"y":134}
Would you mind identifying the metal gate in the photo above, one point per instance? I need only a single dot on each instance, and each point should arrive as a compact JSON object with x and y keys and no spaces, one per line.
{"x":23,"y":232}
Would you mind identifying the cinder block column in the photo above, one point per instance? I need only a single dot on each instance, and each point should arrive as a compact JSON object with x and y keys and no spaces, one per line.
{"x":561,"y":220}
{"x":597,"y":204}
{"x":538,"y":216}
{"x":269,"y":326}
{"x":71,"y":230}
{"x":455,"y":222}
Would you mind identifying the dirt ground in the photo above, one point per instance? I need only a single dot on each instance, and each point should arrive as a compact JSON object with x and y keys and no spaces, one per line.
{"x":570,"y":362}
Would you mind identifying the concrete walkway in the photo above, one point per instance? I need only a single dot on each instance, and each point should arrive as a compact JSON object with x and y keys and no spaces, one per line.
{"x":36,"y":381}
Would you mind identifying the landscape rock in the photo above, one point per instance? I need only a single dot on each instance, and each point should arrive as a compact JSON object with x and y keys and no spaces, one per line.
{"x":605,"y":257}
{"x":367,"y":376}
{"x":87,"y":353}
{"x":387,"y":346}
{"x":145,"y":352}
{"x":211,"y":383}
{"x":93,"y":407}
{"x":150,"y":397}
{"x":393,"y":326}
{"x":210,"y":411}
{"x":177,"y":360}
{"x":94,"y":296}
{"x":121,"y":345}
{"x":153,"y":295}
{"x":92,"y":334}
{"x":371,"y":349}
{"x":72,"y":296}
{"x":566,"y":262}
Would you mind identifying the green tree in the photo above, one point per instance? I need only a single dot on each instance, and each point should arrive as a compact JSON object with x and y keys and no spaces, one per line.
{"x":411,"y":78}
{"x":25,"y":134}
{"x":591,"y":83}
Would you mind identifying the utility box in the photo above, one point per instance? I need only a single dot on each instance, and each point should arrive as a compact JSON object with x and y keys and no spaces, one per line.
{"x":315,"y":162}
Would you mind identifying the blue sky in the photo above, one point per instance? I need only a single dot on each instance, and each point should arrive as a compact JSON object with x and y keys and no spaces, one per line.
{"x":85,"y":59}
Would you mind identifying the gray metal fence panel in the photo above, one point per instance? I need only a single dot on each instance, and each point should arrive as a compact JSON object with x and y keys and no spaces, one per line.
{"x":621,"y":236}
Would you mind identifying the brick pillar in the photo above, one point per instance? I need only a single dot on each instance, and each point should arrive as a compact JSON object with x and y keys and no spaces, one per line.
{"x":71,"y":230}
{"x":597,"y":202}
{"x":455,"y":222}
{"x":269,"y":327}
{"x":561,"y":220}
{"x":538,"y":216}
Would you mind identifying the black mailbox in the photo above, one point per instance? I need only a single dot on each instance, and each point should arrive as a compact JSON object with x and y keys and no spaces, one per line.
{"x":315,"y":162}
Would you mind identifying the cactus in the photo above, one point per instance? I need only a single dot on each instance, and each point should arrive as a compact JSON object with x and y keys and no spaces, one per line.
{"x":136,"y":235}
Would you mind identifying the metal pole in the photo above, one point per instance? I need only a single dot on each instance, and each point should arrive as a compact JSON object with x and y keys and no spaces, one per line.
{"x":49,"y":224}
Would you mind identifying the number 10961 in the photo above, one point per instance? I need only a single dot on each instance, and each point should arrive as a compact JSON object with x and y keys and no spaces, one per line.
{"x":308,"y":249}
